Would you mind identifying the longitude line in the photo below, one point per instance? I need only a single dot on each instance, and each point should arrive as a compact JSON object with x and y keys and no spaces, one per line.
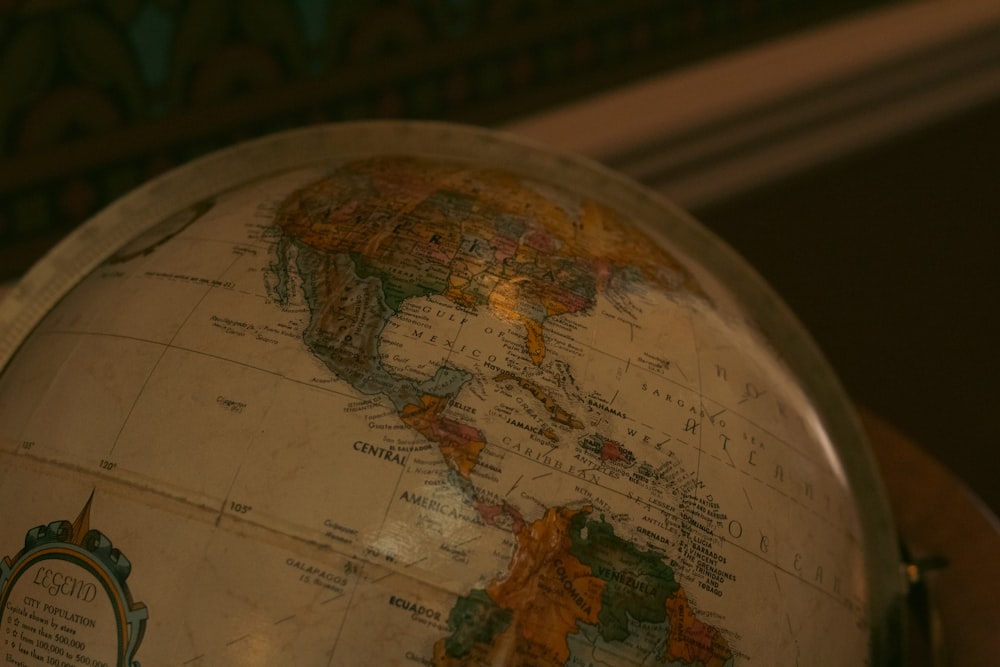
{"x":357,"y":584}
{"x":168,"y":345}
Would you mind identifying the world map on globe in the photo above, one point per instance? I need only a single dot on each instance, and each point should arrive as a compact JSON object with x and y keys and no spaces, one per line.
{"x":393,"y":408}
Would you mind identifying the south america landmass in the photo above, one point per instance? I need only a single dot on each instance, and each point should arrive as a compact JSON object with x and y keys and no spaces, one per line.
{"x":570,"y":570}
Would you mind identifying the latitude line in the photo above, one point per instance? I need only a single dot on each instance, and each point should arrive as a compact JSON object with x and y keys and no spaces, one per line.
{"x":649,"y":505}
{"x":788,"y":497}
{"x":816,"y":513}
{"x":209,"y":355}
{"x":249,"y":445}
{"x":156,"y":364}
{"x":702,"y":397}
{"x":843,"y":602}
{"x":353,"y":397}
{"x":817,"y":463}
{"x":697,"y":391}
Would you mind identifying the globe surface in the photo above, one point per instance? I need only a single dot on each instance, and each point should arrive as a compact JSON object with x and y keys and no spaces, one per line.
{"x":392,"y":394}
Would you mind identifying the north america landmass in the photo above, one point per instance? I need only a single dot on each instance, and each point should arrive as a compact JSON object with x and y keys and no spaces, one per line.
{"x":380,"y":231}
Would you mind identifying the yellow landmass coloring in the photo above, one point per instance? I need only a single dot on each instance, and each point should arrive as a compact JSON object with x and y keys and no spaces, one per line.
{"x":496,"y":239}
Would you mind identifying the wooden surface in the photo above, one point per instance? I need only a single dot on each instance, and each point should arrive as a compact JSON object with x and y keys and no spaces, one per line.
{"x":937,"y":517}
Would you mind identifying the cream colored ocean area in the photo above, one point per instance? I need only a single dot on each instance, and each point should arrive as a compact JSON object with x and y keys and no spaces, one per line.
{"x":282,"y":501}
{"x":683,"y":397}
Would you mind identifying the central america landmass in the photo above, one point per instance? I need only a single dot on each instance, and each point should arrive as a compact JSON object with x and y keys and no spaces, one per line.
{"x":381,"y":231}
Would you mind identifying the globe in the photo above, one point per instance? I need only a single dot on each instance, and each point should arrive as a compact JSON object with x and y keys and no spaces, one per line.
{"x":403,"y":393}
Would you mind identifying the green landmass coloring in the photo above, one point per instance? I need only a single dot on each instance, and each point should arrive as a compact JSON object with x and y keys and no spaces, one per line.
{"x":638,"y":582}
{"x":475,"y":619}
{"x":397,"y":289}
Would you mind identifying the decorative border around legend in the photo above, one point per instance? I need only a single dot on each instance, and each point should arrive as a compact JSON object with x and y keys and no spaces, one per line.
{"x":64,"y":601}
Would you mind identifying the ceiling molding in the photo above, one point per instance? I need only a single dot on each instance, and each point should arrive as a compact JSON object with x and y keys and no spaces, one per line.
{"x":737,"y":122}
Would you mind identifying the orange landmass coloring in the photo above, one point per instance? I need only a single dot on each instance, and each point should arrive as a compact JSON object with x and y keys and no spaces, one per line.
{"x":459,"y":444}
{"x":534,"y":340}
{"x":457,"y":295}
{"x":691,"y":640}
{"x":549,"y":591}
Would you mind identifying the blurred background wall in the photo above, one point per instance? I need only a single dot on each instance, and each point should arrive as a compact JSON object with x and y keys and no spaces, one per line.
{"x":884,"y":246}
{"x":97,"y":96}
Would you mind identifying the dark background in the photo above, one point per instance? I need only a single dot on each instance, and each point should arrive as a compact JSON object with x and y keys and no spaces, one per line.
{"x":98,"y":96}
{"x":890,"y":259}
